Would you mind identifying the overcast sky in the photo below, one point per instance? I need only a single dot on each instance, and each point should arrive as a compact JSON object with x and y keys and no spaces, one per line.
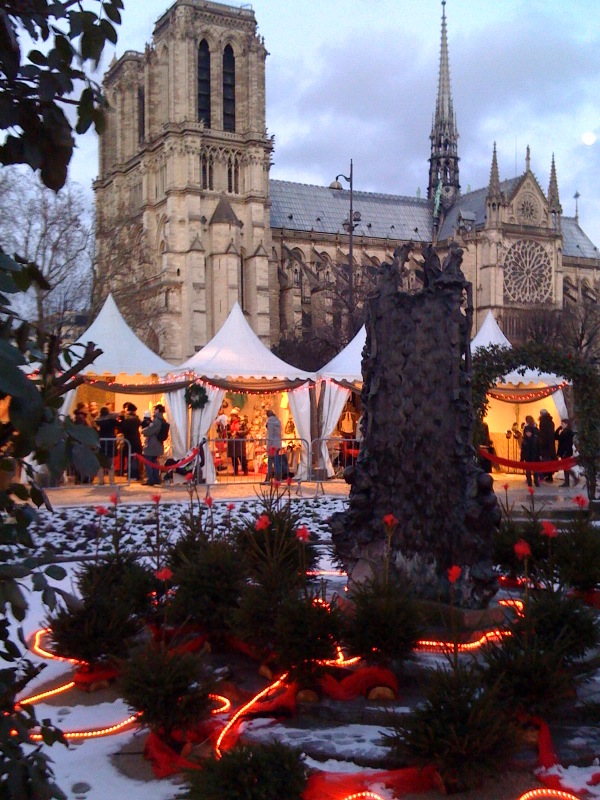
{"x":358,"y":79}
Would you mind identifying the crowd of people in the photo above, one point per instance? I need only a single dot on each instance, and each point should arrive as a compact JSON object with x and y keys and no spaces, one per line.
{"x":545,"y":443}
{"x":124,"y":435}
{"x":120,"y":438}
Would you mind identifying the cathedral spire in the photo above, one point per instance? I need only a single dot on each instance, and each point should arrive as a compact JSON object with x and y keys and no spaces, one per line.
{"x":494,"y":186}
{"x":553,"y":198}
{"x":443,"y":162}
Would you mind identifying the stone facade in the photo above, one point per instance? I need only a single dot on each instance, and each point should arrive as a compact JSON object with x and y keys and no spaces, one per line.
{"x":188,"y":220}
{"x":191,"y":172}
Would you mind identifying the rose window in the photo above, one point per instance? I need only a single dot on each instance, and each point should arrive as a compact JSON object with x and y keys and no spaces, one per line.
{"x":527,"y":274}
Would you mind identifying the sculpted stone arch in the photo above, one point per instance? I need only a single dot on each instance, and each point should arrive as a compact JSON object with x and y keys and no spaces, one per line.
{"x":491,"y":363}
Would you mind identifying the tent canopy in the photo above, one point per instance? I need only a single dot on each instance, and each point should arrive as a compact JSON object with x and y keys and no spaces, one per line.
{"x":489,"y":334}
{"x":122,"y":351}
{"x":237,"y":356}
{"x":346,"y":367}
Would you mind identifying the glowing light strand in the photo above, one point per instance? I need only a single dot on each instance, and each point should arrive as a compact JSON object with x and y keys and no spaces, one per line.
{"x":50,"y":693}
{"x":241,"y":711}
{"x":539,"y":794}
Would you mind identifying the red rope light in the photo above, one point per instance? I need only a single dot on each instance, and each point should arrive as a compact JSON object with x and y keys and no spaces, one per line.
{"x":40,"y":651}
{"x":50,"y":693}
{"x":538,"y":794}
{"x":241,"y":711}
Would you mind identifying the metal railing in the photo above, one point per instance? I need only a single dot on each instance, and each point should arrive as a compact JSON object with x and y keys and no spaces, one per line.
{"x":249,"y":460}
{"x":331,"y":456}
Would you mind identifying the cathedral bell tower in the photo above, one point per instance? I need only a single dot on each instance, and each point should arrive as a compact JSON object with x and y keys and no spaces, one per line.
{"x":444,"y":186}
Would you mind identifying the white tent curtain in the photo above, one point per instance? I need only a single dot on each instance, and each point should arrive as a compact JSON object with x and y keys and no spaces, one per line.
{"x":177,"y":414}
{"x":334,"y":400}
{"x":202,"y":419}
{"x":561,"y":406}
{"x":68,"y":400}
{"x":300,"y":407}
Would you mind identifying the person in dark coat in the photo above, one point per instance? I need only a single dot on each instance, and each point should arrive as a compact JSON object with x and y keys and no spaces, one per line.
{"x":547,"y":443}
{"x":129,"y":425}
{"x":106,"y":424}
{"x":153,"y":448}
{"x":530,"y":448}
{"x":239,"y":447}
{"x":565,"y":436}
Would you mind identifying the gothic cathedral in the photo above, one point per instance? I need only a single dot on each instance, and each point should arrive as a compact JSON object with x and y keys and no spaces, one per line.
{"x":188,"y":220}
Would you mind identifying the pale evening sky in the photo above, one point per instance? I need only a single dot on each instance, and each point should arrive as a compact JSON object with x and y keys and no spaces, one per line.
{"x":358,"y":79}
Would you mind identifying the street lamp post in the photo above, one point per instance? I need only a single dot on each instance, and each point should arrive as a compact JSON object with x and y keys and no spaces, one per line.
{"x":349,"y":225}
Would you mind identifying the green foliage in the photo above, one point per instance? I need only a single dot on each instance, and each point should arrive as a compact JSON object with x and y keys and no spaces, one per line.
{"x":528,"y":677}
{"x":25,"y":776}
{"x":460,"y":729}
{"x":35,"y":86}
{"x":209,"y":587}
{"x":93,"y":630}
{"x":121,"y":580}
{"x":490,"y":363}
{"x":307,"y":631}
{"x":577,"y":554}
{"x":509,"y":533}
{"x":560,"y":623}
{"x":34,"y":428}
{"x":170,"y":689}
{"x":275,"y":555}
{"x":384,"y":624}
{"x":269,"y":771}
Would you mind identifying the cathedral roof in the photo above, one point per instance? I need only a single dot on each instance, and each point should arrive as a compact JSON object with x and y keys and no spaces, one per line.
{"x":576,"y":243}
{"x":303,"y":207}
{"x":224,"y":213}
{"x":472,"y":203}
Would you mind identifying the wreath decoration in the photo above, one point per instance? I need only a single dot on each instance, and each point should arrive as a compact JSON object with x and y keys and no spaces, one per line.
{"x":196,"y":396}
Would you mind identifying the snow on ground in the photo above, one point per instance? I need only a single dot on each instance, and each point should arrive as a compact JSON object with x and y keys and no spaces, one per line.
{"x":89,"y":769}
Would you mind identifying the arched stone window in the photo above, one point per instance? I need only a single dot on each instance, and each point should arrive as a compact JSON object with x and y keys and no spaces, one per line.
{"x":233,"y":174}
{"x":141,"y":109}
{"x":207,"y":171}
{"x":204,"y":83}
{"x":228,"y":89}
{"x":527,"y":274}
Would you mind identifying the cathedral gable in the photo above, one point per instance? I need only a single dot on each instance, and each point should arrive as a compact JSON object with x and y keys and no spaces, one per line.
{"x":528,"y":205}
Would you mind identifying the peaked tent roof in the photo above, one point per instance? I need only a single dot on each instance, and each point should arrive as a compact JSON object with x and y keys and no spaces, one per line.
{"x":122,"y":351}
{"x":489,"y":334}
{"x":236,"y":354}
{"x":347,"y":365}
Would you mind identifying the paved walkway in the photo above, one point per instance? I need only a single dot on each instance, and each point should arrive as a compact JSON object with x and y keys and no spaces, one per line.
{"x":550,"y":496}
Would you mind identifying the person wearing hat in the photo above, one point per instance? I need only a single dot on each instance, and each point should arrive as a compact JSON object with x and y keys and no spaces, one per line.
{"x":565,"y":436}
{"x":129,"y":425}
{"x":547,"y":444}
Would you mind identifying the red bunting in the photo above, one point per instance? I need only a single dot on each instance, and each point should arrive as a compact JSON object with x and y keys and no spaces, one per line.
{"x":532,"y":466}
{"x":171,"y":467}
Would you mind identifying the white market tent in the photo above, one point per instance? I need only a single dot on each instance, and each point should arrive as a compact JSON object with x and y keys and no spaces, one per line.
{"x":516,"y":395}
{"x":236,"y":359}
{"x":126,"y":365}
{"x":339,"y":377}
{"x":123,"y":353}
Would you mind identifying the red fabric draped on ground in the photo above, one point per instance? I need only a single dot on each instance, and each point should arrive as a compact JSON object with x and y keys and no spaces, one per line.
{"x":337,"y":786}
{"x":171,"y":467}
{"x":532,"y":466}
